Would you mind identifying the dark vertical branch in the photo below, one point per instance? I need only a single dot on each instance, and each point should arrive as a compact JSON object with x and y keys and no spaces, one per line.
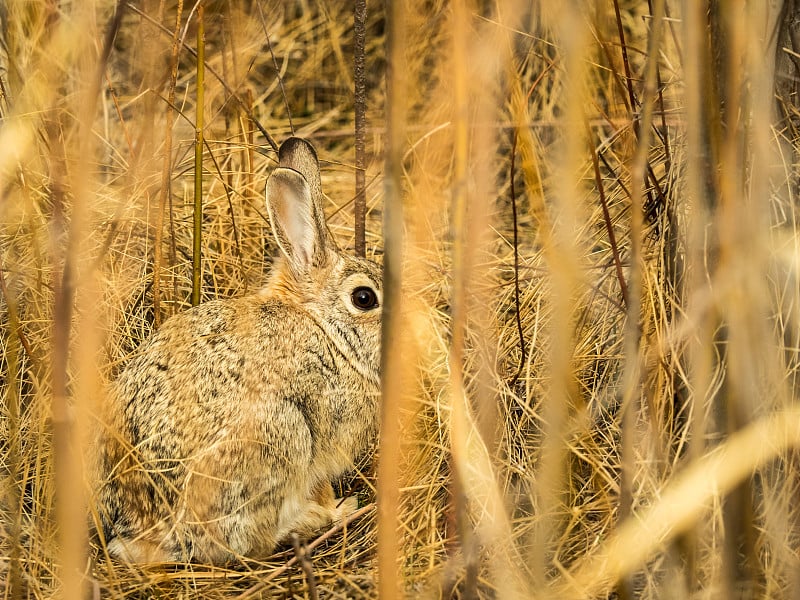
{"x":360,"y":83}
{"x":517,"y":315}
{"x":631,"y":99}
{"x":301,"y":553}
{"x":626,"y":64}
{"x":612,"y":237}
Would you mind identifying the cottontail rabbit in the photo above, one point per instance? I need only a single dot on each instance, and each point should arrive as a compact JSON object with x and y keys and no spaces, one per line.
{"x":223,"y":433}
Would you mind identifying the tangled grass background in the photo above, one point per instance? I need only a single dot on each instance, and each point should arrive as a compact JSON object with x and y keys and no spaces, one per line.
{"x":593,"y":391}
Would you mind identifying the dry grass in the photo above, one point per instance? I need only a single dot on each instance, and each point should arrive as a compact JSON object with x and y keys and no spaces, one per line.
{"x":601,"y":302}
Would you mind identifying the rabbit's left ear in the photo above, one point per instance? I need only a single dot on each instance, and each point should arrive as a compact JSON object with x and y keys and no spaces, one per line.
{"x":299,"y":155}
{"x":291,"y":209}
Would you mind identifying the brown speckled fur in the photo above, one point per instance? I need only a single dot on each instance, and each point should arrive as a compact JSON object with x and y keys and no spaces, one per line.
{"x":222,"y":435}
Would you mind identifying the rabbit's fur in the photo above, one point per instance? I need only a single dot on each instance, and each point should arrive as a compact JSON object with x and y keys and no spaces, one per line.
{"x":223,"y":433}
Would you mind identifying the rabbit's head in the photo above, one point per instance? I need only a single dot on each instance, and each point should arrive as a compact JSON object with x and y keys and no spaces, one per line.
{"x":341,"y":293}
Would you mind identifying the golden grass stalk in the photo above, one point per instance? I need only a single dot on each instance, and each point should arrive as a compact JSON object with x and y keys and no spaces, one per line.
{"x":563,"y":254}
{"x":75,"y":282}
{"x":165,"y":191}
{"x":632,"y":434}
{"x":395,"y":344}
{"x":11,"y":399}
{"x":682,"y":504}
{"x":483,"y":526}
{"x":463,"y":259}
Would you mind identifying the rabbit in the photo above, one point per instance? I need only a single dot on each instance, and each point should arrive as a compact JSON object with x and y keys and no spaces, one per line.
{"x":222,"y":435}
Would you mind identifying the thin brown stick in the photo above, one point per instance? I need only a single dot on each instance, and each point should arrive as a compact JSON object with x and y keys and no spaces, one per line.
{"x":360,"y":97}
{"x":270,"y":140}
{"x":612,"y":237}
{"x":336,"y":528}
{"x":632,"y":104}
{"x":277,"y":70}
{"x":301,"y":553}
{"x":517,"y":315}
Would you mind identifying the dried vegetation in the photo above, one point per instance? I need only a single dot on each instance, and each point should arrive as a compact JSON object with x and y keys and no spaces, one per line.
{"x":600,"y":285}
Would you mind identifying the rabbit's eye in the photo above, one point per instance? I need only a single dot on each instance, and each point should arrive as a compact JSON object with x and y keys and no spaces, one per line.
{"x":364,"y":298}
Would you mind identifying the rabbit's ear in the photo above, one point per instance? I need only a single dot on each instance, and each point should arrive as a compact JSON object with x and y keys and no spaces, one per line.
{"x":291,"y":214}
{"x":299,"y":155}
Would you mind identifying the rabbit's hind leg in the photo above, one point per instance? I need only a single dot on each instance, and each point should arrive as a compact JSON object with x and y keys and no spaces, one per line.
{"x":322,"y":509}
{"x":138,"y":551}
{"x":339,"y":508}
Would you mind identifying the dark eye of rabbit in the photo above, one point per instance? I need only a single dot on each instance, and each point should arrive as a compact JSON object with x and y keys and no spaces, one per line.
{"x":364,"y":298}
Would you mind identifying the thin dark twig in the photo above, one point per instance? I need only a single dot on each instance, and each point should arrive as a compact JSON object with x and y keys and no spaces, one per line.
{"x":627,"y":66}
{"x":618,"y":78}
{"x":665,"y":133}
{"x":612,"y":238}
{"x":108,"y":43}
{"x":629,"y":82}
{"x":523,"y":356}
{"x":14,"y":323}
{"x":675,"y":37}
{"x":116,"y":23}
{"x":270,"y":140}
{"x":249,"y":593}
{"x":620,"y":182}
{"x":227,"y":188}
{"x":276,"y":67}
{"x":301,"y":553}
